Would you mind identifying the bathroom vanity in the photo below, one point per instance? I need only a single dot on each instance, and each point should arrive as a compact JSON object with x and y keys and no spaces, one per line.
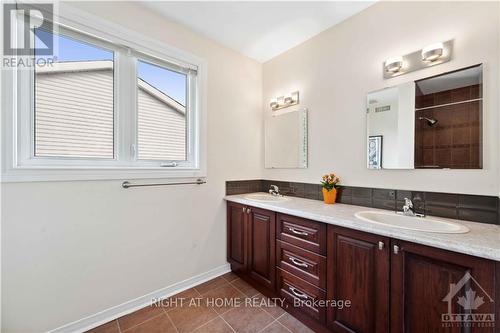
{"x":396,"y":280}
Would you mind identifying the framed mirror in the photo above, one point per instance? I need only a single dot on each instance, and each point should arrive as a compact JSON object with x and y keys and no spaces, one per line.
{"x":432,"y":123}
{"x":286,"y":139}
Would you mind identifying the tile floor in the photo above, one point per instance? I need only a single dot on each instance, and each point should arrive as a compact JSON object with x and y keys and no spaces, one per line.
{"x":208,"y":315}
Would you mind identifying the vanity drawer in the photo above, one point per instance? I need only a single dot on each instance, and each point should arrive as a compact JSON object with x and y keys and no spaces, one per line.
{"x":301,"y":295}
{"x":303,"y":233}
{"x":307,"y":265}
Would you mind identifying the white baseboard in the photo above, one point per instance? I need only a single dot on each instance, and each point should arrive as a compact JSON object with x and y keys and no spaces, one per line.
{"x":85,"y":324}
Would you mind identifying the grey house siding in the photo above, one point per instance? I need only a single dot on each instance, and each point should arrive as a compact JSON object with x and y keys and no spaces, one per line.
{"x":74,"y":114}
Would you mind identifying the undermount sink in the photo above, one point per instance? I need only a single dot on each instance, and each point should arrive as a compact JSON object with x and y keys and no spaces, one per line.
{"x":412,"y":223}
{"x":263,"y":197}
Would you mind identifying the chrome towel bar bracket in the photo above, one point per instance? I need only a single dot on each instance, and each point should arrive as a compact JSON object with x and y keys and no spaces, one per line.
{"x":127,"y":184}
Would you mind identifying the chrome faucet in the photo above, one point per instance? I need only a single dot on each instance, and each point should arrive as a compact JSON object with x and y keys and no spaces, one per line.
{"x":409,"y":209}
{"x":274,"y":190}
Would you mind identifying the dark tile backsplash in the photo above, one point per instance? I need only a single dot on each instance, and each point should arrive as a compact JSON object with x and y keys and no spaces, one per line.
{"x":344,"y":195}
{"x":478,"y":208}
{"x":483,"y":208}
{"x":384,"y":198}
{"x":362,"y":196}
{"x":441,"y":204}
{"x":244,"y":186}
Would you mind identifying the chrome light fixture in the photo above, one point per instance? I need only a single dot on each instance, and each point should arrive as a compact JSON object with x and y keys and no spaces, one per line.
{"x":284,"y":101}
{"x":393,"y":65}
{"x":431,"y":55}
{"x":288,"y":99}
{"x":432,"y":52}
{"x":274,"y":103}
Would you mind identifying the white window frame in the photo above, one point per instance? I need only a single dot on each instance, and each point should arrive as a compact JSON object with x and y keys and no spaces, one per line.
{"x":18,"y":161}
{"x":26,"y":114}
{"x":191,"y":119}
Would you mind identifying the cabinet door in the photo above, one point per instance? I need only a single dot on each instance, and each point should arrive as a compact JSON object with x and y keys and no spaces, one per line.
{"x":358,"y":271}
{"x":236,"y":240}
{"x":428,"y":286}
{"x":261,"y":240}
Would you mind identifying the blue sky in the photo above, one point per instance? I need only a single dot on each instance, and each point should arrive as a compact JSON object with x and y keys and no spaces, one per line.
{"x":169,"y":82}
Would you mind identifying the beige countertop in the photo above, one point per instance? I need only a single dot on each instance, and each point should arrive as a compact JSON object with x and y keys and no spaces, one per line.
{"x":483,"y":240}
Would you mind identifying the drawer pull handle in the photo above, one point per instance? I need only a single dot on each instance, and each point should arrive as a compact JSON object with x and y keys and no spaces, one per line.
{"x":298,"y":262}
{"x":396,"y":249}
{"x":295,"y":231}
{"x":381,"y":245}
{"x":298,"y":293}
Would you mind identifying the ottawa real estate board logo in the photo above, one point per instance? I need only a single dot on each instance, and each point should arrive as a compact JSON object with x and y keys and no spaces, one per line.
{"x":470,"y":296}
{"x":22,"y":47}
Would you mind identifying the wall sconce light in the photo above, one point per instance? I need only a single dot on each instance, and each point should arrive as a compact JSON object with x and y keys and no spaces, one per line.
{"x":430,"y":55}
{"x":284,"y":101}
{"x":274,"y":103}
{"x":432,"y":52}
{"x":393,"y":65}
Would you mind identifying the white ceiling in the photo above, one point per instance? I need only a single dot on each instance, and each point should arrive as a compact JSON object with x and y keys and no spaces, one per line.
{"x":260,"y":30}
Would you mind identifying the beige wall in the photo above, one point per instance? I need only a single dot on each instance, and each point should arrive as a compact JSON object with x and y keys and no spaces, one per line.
{"x":71,"y":249}
{"x":334,"y":70}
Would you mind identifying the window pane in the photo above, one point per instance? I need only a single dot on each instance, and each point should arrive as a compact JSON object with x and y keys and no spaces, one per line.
{"x":74,"y":101}
{"x":161,"y":101}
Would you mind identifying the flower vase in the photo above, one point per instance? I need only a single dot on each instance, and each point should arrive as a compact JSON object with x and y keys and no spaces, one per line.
{"x":329,"y":196}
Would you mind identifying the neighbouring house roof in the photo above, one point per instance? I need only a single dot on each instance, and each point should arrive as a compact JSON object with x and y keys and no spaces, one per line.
{"x":105,"y":65}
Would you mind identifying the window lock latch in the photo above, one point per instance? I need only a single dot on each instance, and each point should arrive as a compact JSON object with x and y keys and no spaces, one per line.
{"x":169,"y":164}
{"x":133,"y":151}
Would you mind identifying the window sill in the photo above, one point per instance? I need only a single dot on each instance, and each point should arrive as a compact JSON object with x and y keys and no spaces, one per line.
{"x":116,"y":173}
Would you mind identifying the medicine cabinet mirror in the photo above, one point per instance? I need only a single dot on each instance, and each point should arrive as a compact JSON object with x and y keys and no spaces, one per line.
{"x":286,"y":139}
{"x":432,"y":123}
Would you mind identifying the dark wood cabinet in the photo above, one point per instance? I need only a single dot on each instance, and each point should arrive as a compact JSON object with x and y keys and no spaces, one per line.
{"x":358,"y":271}
{"x":307,"y":265}
{"x":261,"y":249}
{"x":251,"y":243}
{"x":236,"y":236}
{"x":302,"y":295}
{"x":429,"y":286}
{"x":307,"y":234}
{"x":392,"y":285}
